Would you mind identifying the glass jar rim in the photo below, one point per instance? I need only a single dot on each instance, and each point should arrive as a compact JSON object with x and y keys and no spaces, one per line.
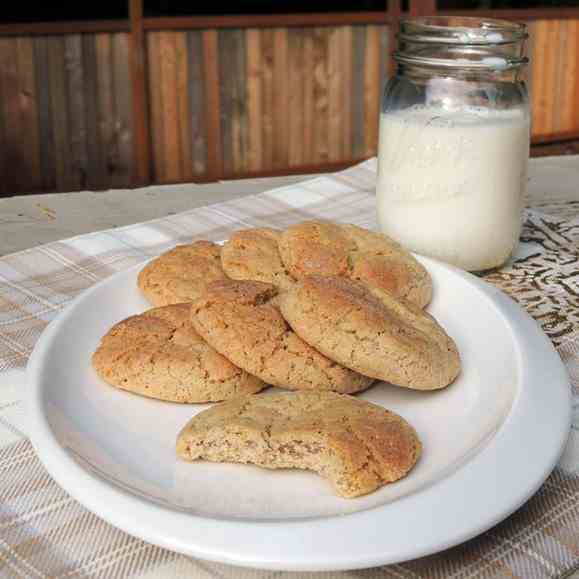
{"x":466,"y":42}
{"x":461,"y":30}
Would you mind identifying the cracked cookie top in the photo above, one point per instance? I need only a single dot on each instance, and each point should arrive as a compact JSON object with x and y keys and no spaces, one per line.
{"x":253,"y":254}
{"x":181,"y":274}
{"x":332,"y":249}
{"x":358,"y":446}
{"x":371,"y":332}
{"x":242,"y":321}
{"x":158,"y":354}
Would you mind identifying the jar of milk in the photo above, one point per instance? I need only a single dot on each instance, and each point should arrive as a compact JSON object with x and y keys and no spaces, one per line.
{"x":454,"y":140}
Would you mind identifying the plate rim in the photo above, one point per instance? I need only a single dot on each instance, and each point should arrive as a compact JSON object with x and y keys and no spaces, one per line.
{"x":339,"y":543}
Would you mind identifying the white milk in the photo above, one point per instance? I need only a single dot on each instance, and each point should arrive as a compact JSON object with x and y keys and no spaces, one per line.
{"x":451,"y":184}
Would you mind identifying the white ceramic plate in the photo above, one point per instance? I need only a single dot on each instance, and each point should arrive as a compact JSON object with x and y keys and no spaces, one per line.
{"x":490,"y":440}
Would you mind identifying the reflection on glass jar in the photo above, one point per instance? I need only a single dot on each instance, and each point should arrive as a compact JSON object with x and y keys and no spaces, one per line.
{"x":454,"y":141}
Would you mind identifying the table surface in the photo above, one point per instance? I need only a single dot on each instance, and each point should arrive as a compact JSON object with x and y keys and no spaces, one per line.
{"x":27,"y":221}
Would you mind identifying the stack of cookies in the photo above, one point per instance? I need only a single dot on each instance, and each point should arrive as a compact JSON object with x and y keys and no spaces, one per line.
{"x":320,"y":309}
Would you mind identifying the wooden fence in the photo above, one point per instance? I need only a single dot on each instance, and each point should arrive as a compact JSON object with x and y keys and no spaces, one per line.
{"x":288,"y":97}
{"x":121,"y":108}
{"x":554,"y":78}
{"x":65,"y":118}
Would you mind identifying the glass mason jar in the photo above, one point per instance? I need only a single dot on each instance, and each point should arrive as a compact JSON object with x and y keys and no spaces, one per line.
{"x":454,"y":140}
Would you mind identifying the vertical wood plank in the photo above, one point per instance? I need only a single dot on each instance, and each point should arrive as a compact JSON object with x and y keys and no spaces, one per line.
{"x":4,"y":186}
{"x":358,"y":91}
{"x":267,"y":135}
{"x":95,"y":167}
{"x":553,"y":29}
{"x":172,"y":151}
{"x":123,"y":171}
{"x":211,"y":75}
{"x":540,"y":73}
{"x":157,"y":132}
{"x":308,"y":95}
{"x":183,"y":112}
{"x":140,"y":137}
{"x":562,"y":70}
{"x":45,"y":129}
{"x":567,"y":70}
{"x":75,"y":83}
{"x":65,"y":180}
{"x":280,"y":98}
{"x":105,"y":100}
{"x":226,"y":96}
{"x":573,"y":118}
{"x":254,"y":98}
{"x":320,"y":66}
{"x":28,"y":111}
{"x":334,"y":95}
{"x":347,"y":88}
{"x":296,"y":68}
{"x":239,"y":130}
{"x":372,"y":76}
{"x":5,"y":183}
{"x":14,"y":168}
{"x":196,"y":103}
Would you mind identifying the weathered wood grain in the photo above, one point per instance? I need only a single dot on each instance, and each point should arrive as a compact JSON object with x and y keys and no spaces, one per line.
{"x":13,"y":166}
{"x":567,"y":70}
{"x":94,"y":169}
{"x":346,"y":46}
{"x":172,"y":149}
{"x":27,"y":100}
{"x":121,"y":172}
{"x":106,"y":109}
{"x":45,"y":131}
{"x":358,"y":90}
{"x":156,"y":100}
{"x":572,"y":117}
{"x":540,"y":99}
{"x":196,"y":103}
{"x":295,"y":103}
{"x":226,"y":97}
{"x":281,"y":88}
{"x":551,"y":88}
{"x":253,"y":87}
{"x":335,"y":106}
{"x":238,"y":118}
{"x":66,"y":180}
{"x":308,"y":92}
{"x":183,"y":112}
{"x":321,"y":100}
{"x":372,"y":79}
{"x":267,"y":103}
{"x":75,"y":95}
{"x":134,"y":161}
{"x":212,"y":103}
